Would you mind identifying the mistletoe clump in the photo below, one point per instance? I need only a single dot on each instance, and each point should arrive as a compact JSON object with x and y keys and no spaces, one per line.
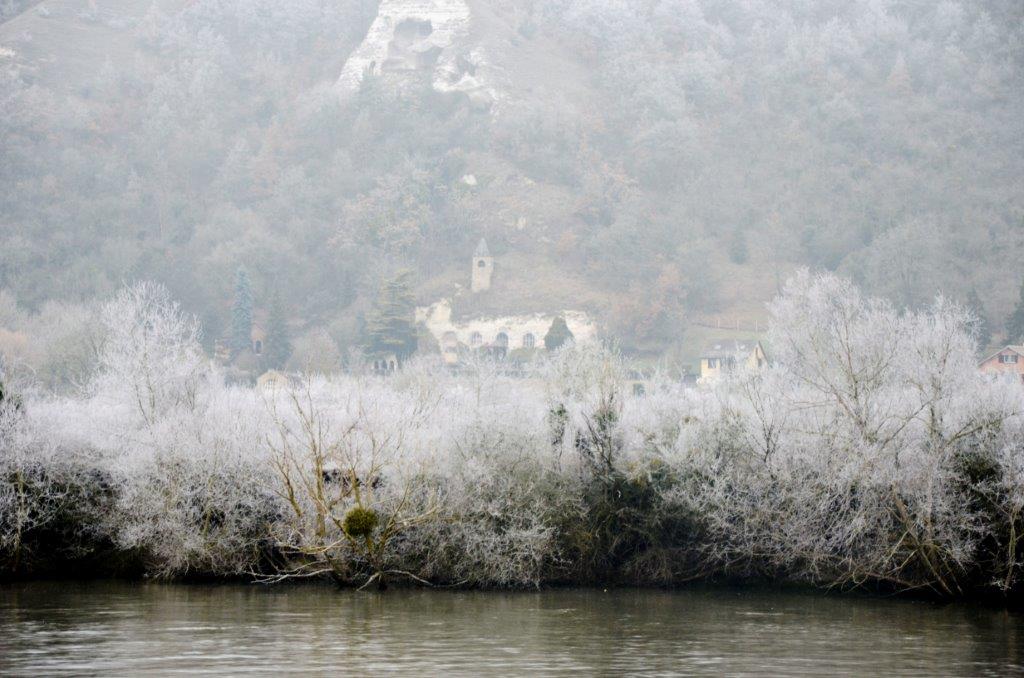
{"x":360,"y":522}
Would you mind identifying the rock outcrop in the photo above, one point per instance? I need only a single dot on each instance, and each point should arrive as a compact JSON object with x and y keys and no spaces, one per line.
{"x":421,"y":37}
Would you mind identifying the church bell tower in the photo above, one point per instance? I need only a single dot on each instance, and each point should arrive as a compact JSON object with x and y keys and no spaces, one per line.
{"x":483,"y":268}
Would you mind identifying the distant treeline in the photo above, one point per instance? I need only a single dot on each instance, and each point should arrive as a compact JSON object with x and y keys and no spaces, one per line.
{"x":711,"y":143}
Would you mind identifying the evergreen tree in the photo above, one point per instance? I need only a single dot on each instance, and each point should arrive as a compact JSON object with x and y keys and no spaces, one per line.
{"x":1015,"y":323}
{"x":241,"y":312}
{"x":278,"y":345}
{"x":390,"y":325}
{"x":738,"y":252}
{"x":982,"y":330}
{"x":558,"y":334}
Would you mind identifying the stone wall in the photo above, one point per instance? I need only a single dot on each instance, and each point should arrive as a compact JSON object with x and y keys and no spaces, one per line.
{"x":484,"y":331}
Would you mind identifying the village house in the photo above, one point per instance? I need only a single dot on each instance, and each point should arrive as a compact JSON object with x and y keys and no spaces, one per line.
{"x":1006,"y":363}
{"x":271,"y":380}
{"x":256,"y":338}
{"x":720,"y":357}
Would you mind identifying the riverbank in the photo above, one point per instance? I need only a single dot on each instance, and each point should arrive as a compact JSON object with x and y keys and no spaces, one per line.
{"x":120,"y":628}
{"x":844,"y":465}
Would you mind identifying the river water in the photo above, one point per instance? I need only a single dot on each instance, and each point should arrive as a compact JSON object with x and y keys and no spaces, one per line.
{"x":155,"y":629}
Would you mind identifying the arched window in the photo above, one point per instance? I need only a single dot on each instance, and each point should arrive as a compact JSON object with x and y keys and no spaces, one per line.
{"x":481,"y":263}
{"x":475,"y":339}
{"x":257,"y":347}
{"x":529,"y":341}
{"x":501,"y":340}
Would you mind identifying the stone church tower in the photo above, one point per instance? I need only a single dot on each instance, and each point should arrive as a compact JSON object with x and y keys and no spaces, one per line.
{"x":483,"y":268}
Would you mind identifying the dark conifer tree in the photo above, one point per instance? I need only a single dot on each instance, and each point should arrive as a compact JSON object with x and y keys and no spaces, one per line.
{"x":738,"y":252}
{"x":558,"y":334}
{"x":390,"y":326}
{"x":1015,"y":323}
{"x":241,"y":312}
{"x":982,"y":330}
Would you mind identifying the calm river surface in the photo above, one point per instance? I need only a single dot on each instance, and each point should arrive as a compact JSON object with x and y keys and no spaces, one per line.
{"x":153,"y":629}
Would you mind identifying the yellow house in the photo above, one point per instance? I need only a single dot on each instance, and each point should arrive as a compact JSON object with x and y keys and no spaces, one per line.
{"x":723,"y":356}
{"x":271,"y":380}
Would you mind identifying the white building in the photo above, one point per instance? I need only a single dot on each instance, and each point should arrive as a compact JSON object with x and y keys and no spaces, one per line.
{"x":497,"y":334}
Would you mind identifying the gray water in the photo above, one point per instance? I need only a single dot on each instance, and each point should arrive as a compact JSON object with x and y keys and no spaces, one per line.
{"x":136,"y":629}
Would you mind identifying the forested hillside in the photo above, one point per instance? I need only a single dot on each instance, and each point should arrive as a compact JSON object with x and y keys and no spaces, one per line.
{"x":655,"y":162}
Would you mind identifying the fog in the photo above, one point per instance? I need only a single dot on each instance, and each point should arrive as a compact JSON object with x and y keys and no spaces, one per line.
{"x":659,"y":166}
{"x":513,"y":293}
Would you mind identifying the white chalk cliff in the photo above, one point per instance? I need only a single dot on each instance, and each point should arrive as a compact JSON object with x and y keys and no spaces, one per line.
{"x":411,"y":37}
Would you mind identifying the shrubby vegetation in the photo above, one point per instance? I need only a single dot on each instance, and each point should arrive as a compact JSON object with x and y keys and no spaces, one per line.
{"x":870,"y":454}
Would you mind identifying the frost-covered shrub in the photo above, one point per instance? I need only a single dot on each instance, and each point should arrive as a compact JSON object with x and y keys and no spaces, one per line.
{"x":870,"y":453}
{"x":840,"y":464}
{"x":196,"y":493}
{"x":497,"y":495}
{"x":54,"y":498}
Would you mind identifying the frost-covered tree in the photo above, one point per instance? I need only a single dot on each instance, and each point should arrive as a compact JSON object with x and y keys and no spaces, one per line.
{"x":890,"y":403}
{"x":315,"y":352}
{"x":349,"y":488}
{"x":151,"y":361}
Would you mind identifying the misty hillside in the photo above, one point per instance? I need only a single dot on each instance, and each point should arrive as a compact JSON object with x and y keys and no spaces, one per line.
{"x":658,"y":164}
